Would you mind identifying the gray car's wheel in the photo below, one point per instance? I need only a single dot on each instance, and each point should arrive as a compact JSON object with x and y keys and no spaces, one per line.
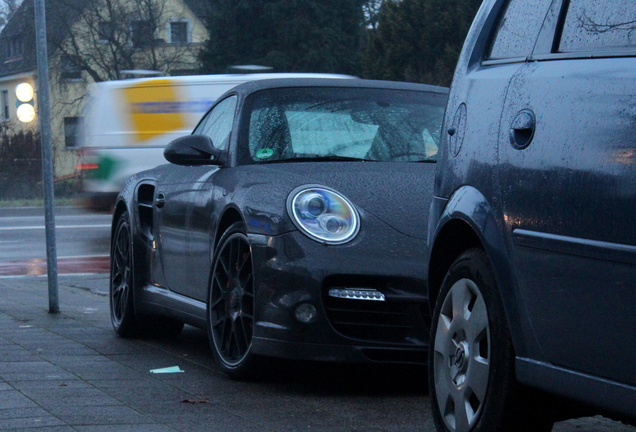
{"x":122,"y":306}
{"x":471,"y":361}
{"x":231,"y":304}
{"x":122,"y":312}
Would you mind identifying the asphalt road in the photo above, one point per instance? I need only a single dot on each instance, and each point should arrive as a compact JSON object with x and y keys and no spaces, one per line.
{"x":78,"y":233}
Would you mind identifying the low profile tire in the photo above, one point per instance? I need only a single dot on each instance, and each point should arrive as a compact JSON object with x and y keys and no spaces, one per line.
{"x":231,"y":304}
{"x":122,"y":313}
{"x":122,"y":306}
{"x":471,"y":364}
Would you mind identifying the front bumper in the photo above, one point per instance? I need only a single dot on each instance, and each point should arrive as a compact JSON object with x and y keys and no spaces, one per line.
{"x":292,"y":270}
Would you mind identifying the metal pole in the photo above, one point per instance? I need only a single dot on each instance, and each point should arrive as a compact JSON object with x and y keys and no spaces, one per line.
{"x":44,"y":121}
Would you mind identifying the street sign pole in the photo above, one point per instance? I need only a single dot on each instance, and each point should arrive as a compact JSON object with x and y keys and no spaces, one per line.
{"x":44,"y":121}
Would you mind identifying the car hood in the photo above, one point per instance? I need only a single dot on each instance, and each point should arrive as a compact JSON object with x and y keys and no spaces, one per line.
{"x":397,"y":193}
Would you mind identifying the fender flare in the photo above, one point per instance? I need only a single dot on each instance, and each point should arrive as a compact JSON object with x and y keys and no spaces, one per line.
{"x":470,"y":211}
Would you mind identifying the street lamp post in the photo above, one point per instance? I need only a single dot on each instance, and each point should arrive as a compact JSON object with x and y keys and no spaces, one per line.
{"x":44,"y":122}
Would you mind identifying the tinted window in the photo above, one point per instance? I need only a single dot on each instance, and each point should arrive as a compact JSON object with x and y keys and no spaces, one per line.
{"x":218,"y":123}
{"x":593,"y":24}
{"x":383,"y":125}
{"x":518,"y":28}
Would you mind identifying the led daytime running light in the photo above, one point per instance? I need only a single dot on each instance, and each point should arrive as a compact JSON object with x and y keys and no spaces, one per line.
{"x":357,"y":294}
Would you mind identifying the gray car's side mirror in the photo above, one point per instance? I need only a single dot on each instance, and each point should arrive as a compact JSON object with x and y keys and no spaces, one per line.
{"x":192,"y":150}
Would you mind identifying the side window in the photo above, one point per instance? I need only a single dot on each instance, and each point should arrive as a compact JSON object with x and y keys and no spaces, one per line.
{"x":593,"y":24}
{"x":518,"y":28}
{"x":71,"y":126}
{"x":218,"y":123}
{"x":5,"y":105}
{"x":178,"y":32}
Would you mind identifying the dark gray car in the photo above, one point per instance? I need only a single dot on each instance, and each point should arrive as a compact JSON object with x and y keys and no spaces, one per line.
{"x":532,"y":266}
{"x":289,"y":225}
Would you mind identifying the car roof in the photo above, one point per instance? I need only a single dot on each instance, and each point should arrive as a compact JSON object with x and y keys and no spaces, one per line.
{"x":210,"y":79}
{"x":254,"y":86}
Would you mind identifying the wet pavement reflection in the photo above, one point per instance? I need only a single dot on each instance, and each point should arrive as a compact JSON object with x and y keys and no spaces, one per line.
{"x":66,"y":265}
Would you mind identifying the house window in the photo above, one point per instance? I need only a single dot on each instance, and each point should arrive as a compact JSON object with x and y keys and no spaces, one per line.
{"x":182,"y":72}
{"x":179,"y":32}
{"x":142,"y":33}
{"x":71,"y":130}
{"x":70,"y":69}
{"x":14,"y":47}
{"x":105,"y":31}
{"x":5,"y":105}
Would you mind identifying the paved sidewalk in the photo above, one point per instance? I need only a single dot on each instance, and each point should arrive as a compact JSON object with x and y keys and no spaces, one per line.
{"x":70,"y":372}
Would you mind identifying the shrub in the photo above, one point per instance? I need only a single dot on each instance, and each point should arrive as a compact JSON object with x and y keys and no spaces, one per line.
{"x":20,"y":165}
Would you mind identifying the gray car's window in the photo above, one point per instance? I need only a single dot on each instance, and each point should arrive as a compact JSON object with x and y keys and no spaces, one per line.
{"x":380,"y":125}
{"x":594,"y":24}
{"x":218,"y":123}
{"x":518,"y":29}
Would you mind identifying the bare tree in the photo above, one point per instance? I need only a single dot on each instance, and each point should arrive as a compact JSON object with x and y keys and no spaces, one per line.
{"x":111,"y":36}
{"x":591,"y":26}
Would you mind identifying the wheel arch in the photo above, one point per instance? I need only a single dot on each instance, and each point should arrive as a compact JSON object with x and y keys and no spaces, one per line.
{"x":469,"y":220}
{"x":120,"y":207}
{"x":230,"y":216}
{"x":455,"y":237}
{"x":130,"y":200}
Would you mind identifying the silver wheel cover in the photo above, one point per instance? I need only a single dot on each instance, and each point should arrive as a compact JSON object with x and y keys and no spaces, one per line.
{"x":462,"y":356}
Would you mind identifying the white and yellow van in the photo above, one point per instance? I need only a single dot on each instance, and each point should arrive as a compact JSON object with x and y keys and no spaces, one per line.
{"x":128,"y":123}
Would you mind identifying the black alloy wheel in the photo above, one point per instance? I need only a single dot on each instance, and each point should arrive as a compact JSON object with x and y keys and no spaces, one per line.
{"x":231,"y":304}
{"x":122,"y":312}
{"x":125,"y":321}
{"x":471,"y":364}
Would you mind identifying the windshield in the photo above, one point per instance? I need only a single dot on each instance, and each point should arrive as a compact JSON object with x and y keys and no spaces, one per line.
{"x":342,"y":124}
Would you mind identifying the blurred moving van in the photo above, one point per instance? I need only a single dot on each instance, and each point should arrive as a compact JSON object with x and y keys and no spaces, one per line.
{"x":128,"y":123}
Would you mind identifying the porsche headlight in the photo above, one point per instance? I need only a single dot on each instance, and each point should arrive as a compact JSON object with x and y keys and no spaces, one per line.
{"x":323,"y":214}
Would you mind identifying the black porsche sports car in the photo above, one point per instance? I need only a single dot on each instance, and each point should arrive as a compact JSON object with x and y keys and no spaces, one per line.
{"x":291,"y":223}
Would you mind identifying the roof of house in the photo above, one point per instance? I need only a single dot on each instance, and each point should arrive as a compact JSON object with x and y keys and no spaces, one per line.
{"x":22,"y":26}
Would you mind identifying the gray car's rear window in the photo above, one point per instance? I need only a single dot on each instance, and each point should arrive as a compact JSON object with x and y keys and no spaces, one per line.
{"x":593,"y":24}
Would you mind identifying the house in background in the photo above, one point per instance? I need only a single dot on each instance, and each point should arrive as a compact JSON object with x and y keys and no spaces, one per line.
{"x":91,"y":41}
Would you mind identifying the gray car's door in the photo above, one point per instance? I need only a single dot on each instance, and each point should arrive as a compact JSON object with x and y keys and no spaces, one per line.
{"x":184,"y":225}
{"x":218,"y":125}
{"x":173,"y":208}
{"x":567,"y":157}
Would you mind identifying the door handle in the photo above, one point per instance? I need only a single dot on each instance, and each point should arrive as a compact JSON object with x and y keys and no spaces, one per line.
{"x":522,"y":129}
{"x":160,"y":201}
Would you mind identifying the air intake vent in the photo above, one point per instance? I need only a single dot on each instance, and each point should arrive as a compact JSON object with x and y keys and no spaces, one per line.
{"x":370,"y":313}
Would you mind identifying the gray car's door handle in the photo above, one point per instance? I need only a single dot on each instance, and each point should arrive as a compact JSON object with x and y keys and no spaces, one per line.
{"x":522,"y":129}
{"x":160,"y":201}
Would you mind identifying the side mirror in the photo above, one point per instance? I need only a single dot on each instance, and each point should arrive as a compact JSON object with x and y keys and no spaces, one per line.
{"x":192,"y":150}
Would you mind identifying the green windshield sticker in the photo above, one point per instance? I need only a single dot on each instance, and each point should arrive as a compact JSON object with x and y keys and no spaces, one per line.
{"x":264,"y":153}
